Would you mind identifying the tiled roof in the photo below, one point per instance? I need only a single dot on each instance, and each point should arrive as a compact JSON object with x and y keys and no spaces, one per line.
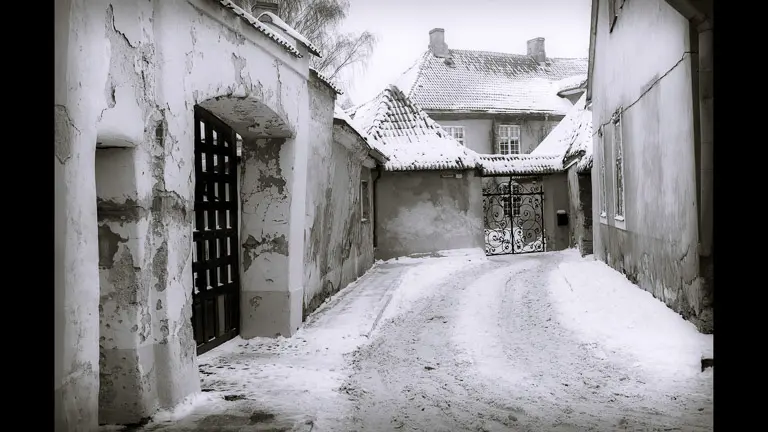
{"x":326,"y":81}
{"x":282,"y":25}
{"x":481,"y":81}
{"x":520,"y":164}
{"x":572,"y":137}
{"x":408,"y":136}
{"x":341,"y":117}
{"x":572,"y":83}
{"x":263,"y":28}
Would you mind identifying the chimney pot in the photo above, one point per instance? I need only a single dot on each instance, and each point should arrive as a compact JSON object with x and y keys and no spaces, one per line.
{"x":536,"y":49}
{"x":260,"y":7}
{"x":437,"y":44}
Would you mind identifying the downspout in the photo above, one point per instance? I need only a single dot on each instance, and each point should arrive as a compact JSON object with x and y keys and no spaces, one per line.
{"x":706,"y":169}
{"x":706,"y":103}
{"x":379,"y":172}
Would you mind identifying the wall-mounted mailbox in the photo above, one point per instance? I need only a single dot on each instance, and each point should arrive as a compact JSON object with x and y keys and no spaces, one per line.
{"x":562,"y":218}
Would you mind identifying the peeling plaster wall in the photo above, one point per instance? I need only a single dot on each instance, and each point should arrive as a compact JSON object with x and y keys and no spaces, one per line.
{"x":128,"y":75}
{"x":421,"y":212}
{"x":339,"y":244}
{"x":657,"y":249}
{"x":80,"y":73}
{"x":580,"y":214}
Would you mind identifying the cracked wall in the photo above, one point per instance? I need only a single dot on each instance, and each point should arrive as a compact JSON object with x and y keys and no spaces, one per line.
{"x":422,"y":212}
{"x":123,"y":274}
{"x":339,"y":244}
{"x":657,"y":250}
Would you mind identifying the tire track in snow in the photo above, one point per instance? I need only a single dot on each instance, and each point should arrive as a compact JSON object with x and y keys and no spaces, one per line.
{"x":485,"y":352}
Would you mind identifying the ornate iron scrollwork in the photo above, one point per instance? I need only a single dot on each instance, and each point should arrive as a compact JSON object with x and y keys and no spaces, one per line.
{"x":514,"y":221}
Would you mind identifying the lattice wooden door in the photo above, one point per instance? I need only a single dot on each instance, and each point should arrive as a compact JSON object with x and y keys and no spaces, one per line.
{"x":215,"y":264}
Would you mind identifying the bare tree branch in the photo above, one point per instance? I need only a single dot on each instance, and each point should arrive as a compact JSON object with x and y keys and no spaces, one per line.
{"x":319,"y":21}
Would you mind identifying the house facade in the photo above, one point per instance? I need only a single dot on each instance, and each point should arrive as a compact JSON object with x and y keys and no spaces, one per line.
{"x":167,"y":242}
{"x":504,"y":105}
{"x":493,"y":103}
{"x":652,"y":116}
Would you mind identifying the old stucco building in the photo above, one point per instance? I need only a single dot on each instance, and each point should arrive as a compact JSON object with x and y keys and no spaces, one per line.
{"x":493,"y":103}
{"x":652,"y":174}
{"x":167,"y":242}
{"x":427,"y":195}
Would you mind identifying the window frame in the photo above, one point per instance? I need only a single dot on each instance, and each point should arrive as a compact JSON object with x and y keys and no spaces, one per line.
{"x":500,"y":137}
{"x":619,"y":183}
{"x":602,"y":174}
{"x":452,"y":129}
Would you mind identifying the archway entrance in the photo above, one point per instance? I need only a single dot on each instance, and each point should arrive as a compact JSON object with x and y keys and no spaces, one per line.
{"x":215,"y":262}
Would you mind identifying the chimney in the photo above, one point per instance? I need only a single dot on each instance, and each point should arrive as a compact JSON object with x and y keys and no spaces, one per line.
{"x":437,"y":43}
{"x":263,"y":6}
{"x":536,"y":49}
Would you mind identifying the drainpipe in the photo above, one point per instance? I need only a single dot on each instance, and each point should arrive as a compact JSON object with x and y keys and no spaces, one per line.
{"x":706,"y":103}
{"x":379,"y":172}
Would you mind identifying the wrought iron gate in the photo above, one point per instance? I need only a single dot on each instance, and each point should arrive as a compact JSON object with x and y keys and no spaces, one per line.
{"x":215,"y":265}
{"x":514,"y":221}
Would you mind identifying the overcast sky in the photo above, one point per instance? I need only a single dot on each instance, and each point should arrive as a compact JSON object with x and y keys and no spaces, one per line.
{"x":402,"y":28}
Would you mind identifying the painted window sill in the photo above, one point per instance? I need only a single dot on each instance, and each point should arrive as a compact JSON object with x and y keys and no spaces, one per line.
{"x":620,"y":222}
{"x":603,"y":219}
{"x":364,"y":220}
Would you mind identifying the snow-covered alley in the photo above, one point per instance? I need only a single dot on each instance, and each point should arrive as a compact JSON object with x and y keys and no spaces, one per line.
{"x":539,"y":342}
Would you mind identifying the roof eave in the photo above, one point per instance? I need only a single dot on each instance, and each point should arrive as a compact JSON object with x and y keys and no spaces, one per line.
{"x":282,"y":25}
{"x":493,"y":111}
{"x":325,"y":80}
{"x":259,"y":26}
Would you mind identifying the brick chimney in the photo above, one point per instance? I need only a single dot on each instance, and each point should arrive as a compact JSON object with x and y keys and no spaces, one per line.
{"x":536,"y":49}
{"x":437,"y":44}
{"x":263,"y":6}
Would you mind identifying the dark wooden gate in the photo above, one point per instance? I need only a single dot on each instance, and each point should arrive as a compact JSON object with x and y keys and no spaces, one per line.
{"x":215,"y":263}
{"x":513,"y":217}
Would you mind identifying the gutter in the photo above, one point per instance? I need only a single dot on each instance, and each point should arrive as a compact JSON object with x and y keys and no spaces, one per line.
{"x":592,"y":42}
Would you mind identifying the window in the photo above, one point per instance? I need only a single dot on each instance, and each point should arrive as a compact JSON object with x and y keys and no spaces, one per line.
{"x":365,"y":201}
{"x":618,"y":157}
{"x":457,"y":132}
{"x":603,"y":204}
{"x":508,"y":139}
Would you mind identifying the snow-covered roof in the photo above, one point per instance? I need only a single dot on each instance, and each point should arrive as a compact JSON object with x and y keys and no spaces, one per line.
{"x":575,"y":82}
{"x":404,"y":133}
{"x":326,"y":81}
{"x":572,"y":137}
{"x":263,"y":28}
{"x":482,"y":81}
{"x":274,"y":19}
{"x":520,"y":164}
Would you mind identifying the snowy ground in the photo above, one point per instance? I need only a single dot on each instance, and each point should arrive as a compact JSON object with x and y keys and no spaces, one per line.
{"x":539,"y":342}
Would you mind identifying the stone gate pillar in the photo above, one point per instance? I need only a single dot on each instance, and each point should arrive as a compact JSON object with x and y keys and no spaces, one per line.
{"x":79,"y":71}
